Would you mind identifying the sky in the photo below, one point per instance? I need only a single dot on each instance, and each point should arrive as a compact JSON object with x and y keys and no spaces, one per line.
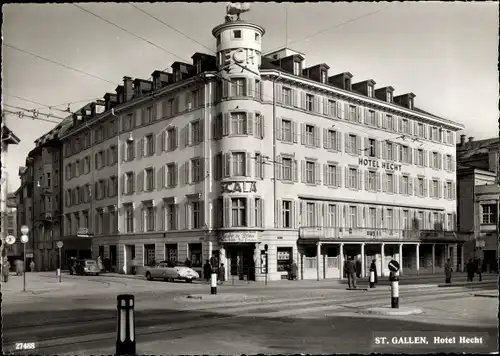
{"x":445,"y":53}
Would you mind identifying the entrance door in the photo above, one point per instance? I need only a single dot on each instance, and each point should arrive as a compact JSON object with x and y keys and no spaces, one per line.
{"x":112,"y":257}
{"x":248,"y":263}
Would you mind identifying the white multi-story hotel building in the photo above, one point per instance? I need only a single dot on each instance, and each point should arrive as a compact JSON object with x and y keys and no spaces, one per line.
{"x":242,"y":151}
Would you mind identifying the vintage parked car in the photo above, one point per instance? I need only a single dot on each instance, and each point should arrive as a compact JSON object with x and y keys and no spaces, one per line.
{"x":86,"y":267}
{"x":169,"y":271}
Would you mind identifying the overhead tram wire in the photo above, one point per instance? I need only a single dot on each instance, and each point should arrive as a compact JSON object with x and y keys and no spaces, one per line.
{"x":50,"y":107}
{"x":16,"y":114}
{"x":35,"y":112}
{"x":129,"y":32}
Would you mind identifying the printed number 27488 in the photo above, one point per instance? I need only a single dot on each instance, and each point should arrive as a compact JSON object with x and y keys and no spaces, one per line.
{"x":25,"y":345}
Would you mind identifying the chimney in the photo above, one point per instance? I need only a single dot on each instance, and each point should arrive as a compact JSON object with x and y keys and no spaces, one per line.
{"x":462,"y":139}
{"x":471,"y":139}
{"x":128,"y":89}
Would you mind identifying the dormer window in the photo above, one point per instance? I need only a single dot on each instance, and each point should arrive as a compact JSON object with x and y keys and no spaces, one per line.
{"x":218,"y":40}
{"x":237,"y":33}
{"x":198,"y":67}
{"x":323,"y":77}
{"x":296,"y":68}
{"x":389,"y":97}
{"x":410,"y":103}
{"x":347,"y":84}
{"x":177,"y":75}
{"x":370,"y":91}
{"x":257,"y":37}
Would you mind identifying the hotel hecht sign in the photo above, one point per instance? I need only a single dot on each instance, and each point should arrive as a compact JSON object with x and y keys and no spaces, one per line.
{"x":373,"y":163}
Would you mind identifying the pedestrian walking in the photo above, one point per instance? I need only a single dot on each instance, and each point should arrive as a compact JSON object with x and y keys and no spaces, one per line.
{"x":351,"y":273}
{"x":207,"y":270}
{"x":6,"y":270}
{"x":470,"y":270}
{"x":72,"y":265}
{"x":358,"y":267}
{"x":222,"y":273}
{"x":32,"y":266}
{"x":373,"y":268}
{"x":447,"y":271}
{"x":99,"y":263}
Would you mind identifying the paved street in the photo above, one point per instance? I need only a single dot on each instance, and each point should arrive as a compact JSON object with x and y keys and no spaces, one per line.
{"x":291,"y":317}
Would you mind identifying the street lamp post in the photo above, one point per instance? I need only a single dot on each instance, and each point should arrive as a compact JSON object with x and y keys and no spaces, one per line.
{"x":59,"y":272}
{"x":24,"y":239}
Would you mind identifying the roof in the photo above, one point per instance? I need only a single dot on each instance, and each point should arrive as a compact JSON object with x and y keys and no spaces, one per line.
{"x":8,"y":137}
{"x":480,"y":146}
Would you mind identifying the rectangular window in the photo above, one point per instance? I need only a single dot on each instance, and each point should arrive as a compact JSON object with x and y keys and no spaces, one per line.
{"x":405,"y":182}
{"x":238,"y":124}
{"x":287,"y":169}
{"x":420,"y":130}
{"x":352,"y":144}
{"x":171,"y":139}
{"x":129,"y":217}
{"x":239,"y":163}
{"x":149,"y":173}
{"x":238,"y":207}
{"x":435,"y":189}
{"x":449,"y":190}
{"x":370,"y":120}
{"x":390,"y":122}
{"x":420,"y":157}
{"x":372,"y":180}
{"x":323,"y":77}
{"x":287,"y":96}
{"x":309,"y":135}
{"x":296,"y":68}
{"x":353,"y":215}
{"x":310,"y":215}
{"x":286,"y":129}
{"x":196,"y":223}
{"x":171,"y":217}
{"x":287,"y":214}
{"x":370,"y":91}
{"x":195,"y":94}
{"x":332,"y":108}
{"x":310,"y":172}
{"x":389,"y":97}
{"x":113,"y":153}
{"x":372,"y":218}
{"x":196,"y":169}
{"x":371,"y":147}
{"x":420,"y":187}
{"x":195,"y":132}
{"x":171,"y":175}
{"x":353,"y":178}
{"x":405,"y":126}
{"x":258,"y":212}
{"x":237,"y":33}
{"x":130,"y":150}
{"x":258,"y":165}
{"x":309,"y":102}
{"x":129,"y":181}
{"x":150,"y":218}
{"x":149,"y":115}
{"x":390,"y":151}
{"x":352,"y":113}
{"x":331,"y":215}
{"x":435,"y":160}
{"x":238,"y":87}
{"x":150,"y":145}
{"x":403,"y":153}
{"x":449,"y":222}
{"x":332,"y":139}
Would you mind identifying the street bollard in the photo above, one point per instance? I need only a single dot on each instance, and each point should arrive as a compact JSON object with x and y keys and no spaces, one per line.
{"x":213,"y":284}
{"x":394,"y":291}
{"x":125,"y":326}
{"x":372,"y":279}
{"x":59,"y":274}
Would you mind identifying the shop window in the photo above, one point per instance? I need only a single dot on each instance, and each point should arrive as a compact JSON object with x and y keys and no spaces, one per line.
{"x":195,"y":255}
{"x":284,"y":256}
{"x":171,"y":252}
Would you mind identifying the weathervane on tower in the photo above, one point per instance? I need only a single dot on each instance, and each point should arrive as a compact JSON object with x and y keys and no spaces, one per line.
{"x":236,"y":8}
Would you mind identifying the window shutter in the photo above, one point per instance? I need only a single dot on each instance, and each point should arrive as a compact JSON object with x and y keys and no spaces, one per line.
{"x":225,"y":88}
{"x":426,"y":184}
{"x":202,"y":169}
{"x":346,"y":181}
{"x":400,"y":184}
{"x":248,"y":161}
{"x":294,"y":132}
{"x":339,"y":110}
{"x":440,"y":161}
{"x":317,"y":136}
{"x":366,"y":174}
{"x":347,"y":114}
{"x":161,"y":176}
{"x":325,"y":174}
{"x":410,"y":155}
{"x":366,"y":115}
{"x":453,"y":191}
{"x":410,"y":186}
{"x":176,"y":174}
{"x":154,"y":179}
{"x":452,"y":168}
{"x":360,"y":179}
{"x":250,"y":89}
{"x":294,"y":97}
{"x":295,"y":172}
{"x":395,"y":149}
{"x":249,"y":123}
{"x":279,"y":93}
{"x":426,"y":133}
{"x":188,"y":135}
{"x":137,"y":117}
{"x":279,"y":129}
{"x":279,"y":216}
{"x":302,"y":100}
{"x":278,"y":174}
{"x":303,"y":171}
{"x":317,"y":104}
{"x":187,"y":178}
{"x":425,"y":154}
{"x":378,"y":178}
{"x":123,"y":190}
{"x":303,"y":133}
{"x":317,"y":173}
{"x":339,"y":141}
{"x":226,"y":124}
{"x":261,"y":126}
{"x":140,"y":181}
{"x":378,"y":148}
{"x":226,"y":202}
{"x":384,"y":182}
{"x":366,"y":147}
{"x":154,"y":114}
{"x":227,"y":164}
{"x":346,"y":140}
{"x":445,"y":191}
{"x":415,"y":187}
{"x":338,"y":174}
{"x":358,"y":145}
{"x":326,"y":142}
{"x":445,"y":163}
{"x":378,"y":119}
{"x":360,"y":216}
{"x":325,"y":106}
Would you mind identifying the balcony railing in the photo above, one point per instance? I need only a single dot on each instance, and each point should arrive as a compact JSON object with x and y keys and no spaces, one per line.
{"x":365,"y":233}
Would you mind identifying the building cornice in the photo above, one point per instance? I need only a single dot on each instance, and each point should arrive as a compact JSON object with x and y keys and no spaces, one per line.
{"x":358,"y":98}
{"x":136,"y":101}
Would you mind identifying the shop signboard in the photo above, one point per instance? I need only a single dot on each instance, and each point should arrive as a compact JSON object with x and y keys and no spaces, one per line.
{"x":238,"y":237}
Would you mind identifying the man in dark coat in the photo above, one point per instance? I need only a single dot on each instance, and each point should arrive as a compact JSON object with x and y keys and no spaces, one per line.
{"x":447,"y":271}
{"x":358,"y":268}
{"x":470,"y":270}
{"x":207,"y":270}
{"x":295,"y":270}
{"x":351,"y":272}
{"x":373,"y":267}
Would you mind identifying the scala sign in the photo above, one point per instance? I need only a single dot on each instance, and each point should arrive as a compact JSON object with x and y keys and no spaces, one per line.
{"x":238,"y":187}
{"x":377,"y":164}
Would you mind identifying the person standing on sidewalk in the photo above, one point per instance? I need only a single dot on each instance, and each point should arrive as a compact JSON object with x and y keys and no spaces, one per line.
{"x":470,"y":270}
{"x":32,"y":266}
{"x":222,"y":273}
{"x":6,"y":270}
{"x":207,"y":271}
{"x":447,"y":271}
{"x":373,"y":268}
{"x":479,"y":270}
{"x":351,"y":273}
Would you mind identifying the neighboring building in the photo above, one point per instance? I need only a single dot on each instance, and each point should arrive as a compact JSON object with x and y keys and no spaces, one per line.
{"x":192,"y":165}
{"x":478,"y":196}
{"x":24,"y":201}
{"x":6,"y":223}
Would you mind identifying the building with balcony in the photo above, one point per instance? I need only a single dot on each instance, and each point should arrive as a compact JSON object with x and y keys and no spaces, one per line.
{"x":240,"y":151}
{"x":478,"y":197}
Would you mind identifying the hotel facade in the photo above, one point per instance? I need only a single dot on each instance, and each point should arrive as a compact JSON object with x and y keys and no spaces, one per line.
{"x":242,"y":151}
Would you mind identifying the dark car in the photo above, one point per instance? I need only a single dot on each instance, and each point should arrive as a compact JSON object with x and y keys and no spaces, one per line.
{"x":86,"y":267}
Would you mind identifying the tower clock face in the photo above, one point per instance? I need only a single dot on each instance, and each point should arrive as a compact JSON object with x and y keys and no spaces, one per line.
{"x":239,"y":56}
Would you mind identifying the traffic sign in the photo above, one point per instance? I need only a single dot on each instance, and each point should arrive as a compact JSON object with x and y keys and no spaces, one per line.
{"x":25,"y":230}
{"x":394,"y":266}
{"x":10,"y":239}
{"x":24,"y":238}
{"x":59,"y":244}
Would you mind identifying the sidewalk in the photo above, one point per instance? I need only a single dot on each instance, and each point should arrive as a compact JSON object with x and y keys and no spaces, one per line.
{"x":36,"y":283}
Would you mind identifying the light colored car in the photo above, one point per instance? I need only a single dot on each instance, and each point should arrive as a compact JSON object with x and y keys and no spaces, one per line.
{"x":169,"y":271}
